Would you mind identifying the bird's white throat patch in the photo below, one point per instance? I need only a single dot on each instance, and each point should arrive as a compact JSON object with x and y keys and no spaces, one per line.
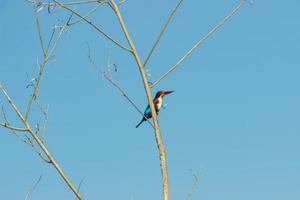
{"x":160,"y":102}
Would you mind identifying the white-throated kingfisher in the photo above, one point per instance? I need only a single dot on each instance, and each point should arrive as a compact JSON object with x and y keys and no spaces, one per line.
{"x":158,"y":102}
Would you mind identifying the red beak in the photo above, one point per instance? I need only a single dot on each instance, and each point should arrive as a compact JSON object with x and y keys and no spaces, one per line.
{"x":168,"y":92}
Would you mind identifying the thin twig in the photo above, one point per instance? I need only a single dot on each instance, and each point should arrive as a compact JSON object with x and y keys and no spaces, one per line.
{"x":55,"y":43}
{"x":50,"y":40}
{"x":66,"y":3}
{"x":35,"y":88}
{"x":6,"y":125}
{"x":115,"y":85}
{"x":10,"y":101}
{"x":87,"y":14}
{"x":195,"y":182}
{"x":93,"y":25}
{"x":45,"y":113}
{"x":79,"y":186}
{"x":41,"y":69}
{"x":158,"y":137}
{"x":13,"y":130}
{"x":33,"y":187}
{"x":200,"y":42}
{"x":40,"y":34}
{"x":39,"y":153}
{"x":47,"y":54}
{"x":162,"y":31}
{"x":28,"y":140}
{"x":121,"y":2}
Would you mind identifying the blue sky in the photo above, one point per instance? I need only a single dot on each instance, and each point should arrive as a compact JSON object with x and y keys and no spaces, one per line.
{"x":233,"y":119}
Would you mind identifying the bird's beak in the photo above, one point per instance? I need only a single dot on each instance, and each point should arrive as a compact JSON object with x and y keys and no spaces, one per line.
{"x":168,"y":92}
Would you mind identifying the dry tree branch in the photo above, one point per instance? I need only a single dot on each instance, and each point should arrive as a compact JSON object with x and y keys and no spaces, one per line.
{"x":237,"y":8}
{"x":45,"y":113}
{"x":47,"y":54}
{"x":195,"y":182}
{"x":87,"y":14}
{"x":162,"y":31}
{"x":82,"y":2}
{"x":51,"y":159}
{"x":70,"y":3}
{"x":61,"y":31}
{"x":79,"y":186}
{"x":41,"y":69}
{"x":13,"y":105}
{"x":51,"y":38}
{"x":115,"y":85}
{"x":28,"y":140}
{"x":159,"y":140}
{"x":6,"y":125}
{"x":13,"y":129}
{"x":40,"y":34}
{"x":33,"y":187}
{"x":40,"y":154}
{"x":93,"y":25}
{"x":66,"y":3}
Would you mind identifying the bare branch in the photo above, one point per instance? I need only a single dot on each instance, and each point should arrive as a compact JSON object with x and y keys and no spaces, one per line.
{"x":51,"y":38}
{"x":93,"y":25}
{"x":158,"y":137}
{"x":41,"y":69}
{"x":162,"y":31}
{"x":87,"y":14}
{"x":47,"y":54}
{"x":195,"y":182}
{"x":55,"y":43}
{"x":28,"y":140}
{"x":14,"y":129}
{"x":200,"y":42}
{"x":115,"y":85}
{"x":66,"y":3}
{"x":40,"y":34}
{"x":10,"y":101}
{"x":6,"y":125}
{"x":79,"y":186}
{"x":121,"y":2}
{"x":38,"y":152}
{"x":33,"y":187}
{"x":45,"y":113}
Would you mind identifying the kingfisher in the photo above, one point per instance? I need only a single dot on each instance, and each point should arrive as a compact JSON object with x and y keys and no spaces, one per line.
{"x":158,"y":102}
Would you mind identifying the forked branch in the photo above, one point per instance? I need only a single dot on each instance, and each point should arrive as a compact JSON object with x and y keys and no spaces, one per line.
{"x":93,"y":25}
{"x":199,"y":42}
{"x":162,"y":31}
{"x":6,"y":125}
{"x":50,"y":158}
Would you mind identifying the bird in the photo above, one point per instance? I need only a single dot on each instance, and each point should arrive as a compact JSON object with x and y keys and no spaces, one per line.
{"x":158,"y":102}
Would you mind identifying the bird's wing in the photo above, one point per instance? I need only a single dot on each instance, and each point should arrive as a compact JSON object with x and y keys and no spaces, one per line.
{"x":147,"y":110}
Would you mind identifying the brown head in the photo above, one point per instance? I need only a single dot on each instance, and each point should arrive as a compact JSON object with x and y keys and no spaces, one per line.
{"x":163,"y":93}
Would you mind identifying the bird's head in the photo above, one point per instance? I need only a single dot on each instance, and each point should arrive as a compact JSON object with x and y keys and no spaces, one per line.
{"x":163,"y":93}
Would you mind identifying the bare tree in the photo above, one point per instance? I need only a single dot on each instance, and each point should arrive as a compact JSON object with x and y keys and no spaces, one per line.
{"x":31,"y":136}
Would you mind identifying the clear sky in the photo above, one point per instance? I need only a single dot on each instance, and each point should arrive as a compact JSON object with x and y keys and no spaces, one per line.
{"x":234,"y":117}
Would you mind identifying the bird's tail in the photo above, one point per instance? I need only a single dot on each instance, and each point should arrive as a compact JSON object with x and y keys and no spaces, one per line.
{"x":140,"y":123}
